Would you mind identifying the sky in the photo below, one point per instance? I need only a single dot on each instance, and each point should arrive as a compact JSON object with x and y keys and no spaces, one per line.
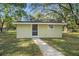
{"x":28,"y":8}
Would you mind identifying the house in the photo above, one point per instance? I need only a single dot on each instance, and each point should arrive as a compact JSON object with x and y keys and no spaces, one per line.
{"x":42,"y":29}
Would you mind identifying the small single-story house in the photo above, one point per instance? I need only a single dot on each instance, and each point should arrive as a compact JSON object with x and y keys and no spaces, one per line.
{"x":29,"y":29}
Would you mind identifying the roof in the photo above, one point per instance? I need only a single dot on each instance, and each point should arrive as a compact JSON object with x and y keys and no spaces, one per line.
{"x":42,"y":21}
{"x":39,"y":22}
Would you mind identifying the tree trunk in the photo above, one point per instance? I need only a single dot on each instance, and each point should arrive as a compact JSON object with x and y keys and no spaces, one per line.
{"x":2,"y":26}
{"x":65,"y":29}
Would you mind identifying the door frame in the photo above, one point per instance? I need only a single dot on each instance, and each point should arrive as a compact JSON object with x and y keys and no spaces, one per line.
{"x":37,"y":31}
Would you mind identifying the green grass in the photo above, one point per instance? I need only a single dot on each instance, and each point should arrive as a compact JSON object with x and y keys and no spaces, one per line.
{"x":68,"y":45}
{"x":10,"y":46}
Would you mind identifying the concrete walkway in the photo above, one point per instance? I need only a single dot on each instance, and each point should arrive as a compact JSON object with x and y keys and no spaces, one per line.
{"x":46,"y":49}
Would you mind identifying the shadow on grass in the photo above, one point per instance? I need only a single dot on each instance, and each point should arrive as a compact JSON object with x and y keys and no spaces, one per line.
{"x":10,"y":46}
{"x":68,"y":45}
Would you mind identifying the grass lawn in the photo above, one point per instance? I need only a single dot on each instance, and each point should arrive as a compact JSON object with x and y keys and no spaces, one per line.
{"x":68,"y":45}
{"x":10,"y":46}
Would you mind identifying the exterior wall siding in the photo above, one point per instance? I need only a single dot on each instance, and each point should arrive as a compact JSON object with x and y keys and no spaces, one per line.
{"x":44,"y":31}
{"x":24,"y":31}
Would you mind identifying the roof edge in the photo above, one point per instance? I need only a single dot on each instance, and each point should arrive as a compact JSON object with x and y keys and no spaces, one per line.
{"x":41,"y":23}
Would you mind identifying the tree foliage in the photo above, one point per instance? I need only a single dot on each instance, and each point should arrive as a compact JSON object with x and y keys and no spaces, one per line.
{"x":9,"y":13}
{"x":64,"y":12}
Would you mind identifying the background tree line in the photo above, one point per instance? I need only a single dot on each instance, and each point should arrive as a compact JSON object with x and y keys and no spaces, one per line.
{"x":60,"y":12}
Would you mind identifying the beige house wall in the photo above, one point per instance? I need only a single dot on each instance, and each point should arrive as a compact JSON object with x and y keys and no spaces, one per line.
{"x":24,"y":31}
{"x":47,"y":32}
{"x":44,"y":31}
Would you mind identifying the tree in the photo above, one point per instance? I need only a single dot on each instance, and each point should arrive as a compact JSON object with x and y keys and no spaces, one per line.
{"x":9,"y":12}
{"x":66,"y":13}
{"x":4,"y":12}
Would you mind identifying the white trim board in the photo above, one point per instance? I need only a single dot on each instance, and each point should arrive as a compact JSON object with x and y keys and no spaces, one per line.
{"x":42,"y":23}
